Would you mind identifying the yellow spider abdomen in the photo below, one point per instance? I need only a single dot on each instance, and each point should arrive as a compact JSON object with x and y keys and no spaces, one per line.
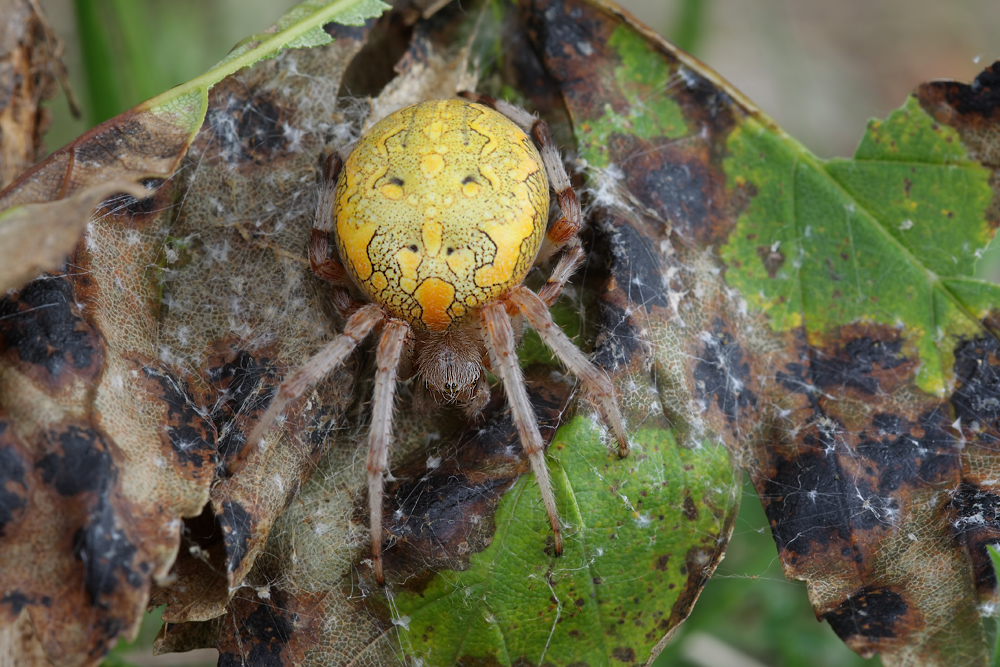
{"x":440,"y":209}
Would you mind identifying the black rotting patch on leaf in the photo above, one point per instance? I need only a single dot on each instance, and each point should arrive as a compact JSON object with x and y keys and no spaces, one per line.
{"x":12,"y":470}
{"x":355,"y":33}
{"x":125,"y":136}
{"x":977,"y":399}
{"x":189,"y":433}
{"x":434,"y":514}
{"x":237,"y":527}
{"x":849,"y":499}
{"x":806,"y":502}
{"x":981,"y":97}
{"x":853,"y":365}
{"x":534,"y":82}
{"x":828,"y":490}
{"x":106,"y":553}
{"x":42,"y":324}
{"x":902,"y":458}
{"x":323,"y":423}
{"x":722,"y":373}
{"x":126,"y":205}
{"x":83,"y":464}
{"x":636,"y":268}
{"x":619,"y":342}
{"x":17,"y":601}
{"x":564,"y":37}
{"x":637,"y":277}
{"x":263,"y":634}
{"x":668,"y":176}
{"x":247,"y":129}
{"x":872,"y":613}
{"x":237,"y":381}
{"x":708,"y":102}
{"x":975,"y":506}
{"x":977,"y":524}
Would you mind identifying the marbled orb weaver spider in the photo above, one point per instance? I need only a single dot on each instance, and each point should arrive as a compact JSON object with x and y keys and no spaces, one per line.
{"x":438,"y":213}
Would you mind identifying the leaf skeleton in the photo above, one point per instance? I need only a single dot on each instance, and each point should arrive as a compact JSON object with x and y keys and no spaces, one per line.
{"x":438,"y":213}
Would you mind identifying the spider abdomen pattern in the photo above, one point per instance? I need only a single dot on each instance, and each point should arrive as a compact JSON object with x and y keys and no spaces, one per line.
{"x":440,"y":209}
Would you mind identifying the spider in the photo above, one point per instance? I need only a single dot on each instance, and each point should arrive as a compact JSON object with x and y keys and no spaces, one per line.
{"x":438,"y":212}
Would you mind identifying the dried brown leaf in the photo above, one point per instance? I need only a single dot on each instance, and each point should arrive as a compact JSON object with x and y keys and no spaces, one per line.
{"x":35,"y":238}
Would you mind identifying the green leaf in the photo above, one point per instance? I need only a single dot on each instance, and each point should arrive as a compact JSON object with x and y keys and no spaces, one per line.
{"x":889,"y":237}
{"x":628,"y":552}
{"x":866,"y":265}
{"x":640,"y":71}
{"x":301,"y":26}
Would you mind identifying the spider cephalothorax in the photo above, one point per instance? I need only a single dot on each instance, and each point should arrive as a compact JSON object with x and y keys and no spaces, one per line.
{"x":438,"y":213}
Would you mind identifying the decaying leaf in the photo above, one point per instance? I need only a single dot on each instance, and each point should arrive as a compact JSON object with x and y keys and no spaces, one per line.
{"x":105,"y":442}
{"x":813,"y":320}
{"x":38,"y":237}
{"x":879,"y":474}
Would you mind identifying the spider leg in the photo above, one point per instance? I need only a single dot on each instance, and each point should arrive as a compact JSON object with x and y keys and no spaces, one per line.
{"x":563,"y":232}
{"x":390,"y":350}
{"x":598,"y":385}
{"x":564,"y":270}
{"x":499,"y":339}
{"x":480,"y":397}
{"x":321,"y":263}
{"x":567,"y":226}
{"x":324,"y":361}
{"x":325,"y":267}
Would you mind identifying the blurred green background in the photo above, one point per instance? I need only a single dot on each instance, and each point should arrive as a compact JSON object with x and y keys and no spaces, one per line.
{"x":820,"y":68}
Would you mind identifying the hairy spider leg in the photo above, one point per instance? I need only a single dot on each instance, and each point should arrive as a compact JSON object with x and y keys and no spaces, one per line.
{"x":499,"y":339}
{"x":563,"y":232}
{"x":322,"y":265}
{"x":568,"y":263}
{"x":387,"y":357}
{"x":597,"y":383}
{"x":319,"y":260}
{"x":568,"y":225}
{"x":315,"y":368}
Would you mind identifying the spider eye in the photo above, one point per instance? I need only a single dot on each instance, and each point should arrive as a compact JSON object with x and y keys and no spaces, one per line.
{"x":413,"y":247}
{"x":395,"y":180}
{"x":449,"y":251}
{"x":465,"y":181}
